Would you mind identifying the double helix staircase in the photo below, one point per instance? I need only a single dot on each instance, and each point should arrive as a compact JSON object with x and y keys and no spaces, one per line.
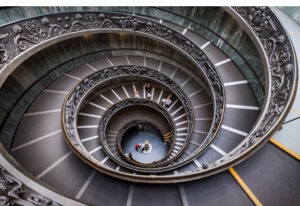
{"x":68,"y":120}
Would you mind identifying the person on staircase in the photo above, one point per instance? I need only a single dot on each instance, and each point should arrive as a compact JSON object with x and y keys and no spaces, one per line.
{"x":148,"y":90}
{"x":137,"y":147}
{"x":166,"y":102}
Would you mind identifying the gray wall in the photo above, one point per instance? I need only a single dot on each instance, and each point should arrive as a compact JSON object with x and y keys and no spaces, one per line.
{"x":291,"y":11}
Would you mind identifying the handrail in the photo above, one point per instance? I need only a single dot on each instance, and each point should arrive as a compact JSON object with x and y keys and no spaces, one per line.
{"x":83,"y":89}
{"x":30,"y":36}
{"x":149,"y":104}
{"x":219,"y":37}
{"x":280,"y":67}
{"x":131,"y":10}
{"x":23,"y":188}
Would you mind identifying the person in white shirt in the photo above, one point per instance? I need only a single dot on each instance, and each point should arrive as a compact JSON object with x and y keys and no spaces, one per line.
{"x":166,"y":102}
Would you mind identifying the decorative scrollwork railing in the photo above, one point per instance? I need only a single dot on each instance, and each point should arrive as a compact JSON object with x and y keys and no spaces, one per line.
{"x":14,"y":192}
{"x":76,"y":98}
{"x":30,"y":35}
{"x":19,"y":188}
{"x":131,"y":159}
{"x":281,"y":74}
{"x":262,"y":25}
{"x":108,"y":114}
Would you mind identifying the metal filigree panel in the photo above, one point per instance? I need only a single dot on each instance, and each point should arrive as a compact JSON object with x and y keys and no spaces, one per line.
{"x":14,"y":192}
{"x":76,"y":97}
{"x":274,"y":43}
{"x":23,"y":36}
{"x":108,"y":114}
{"x":283,"y":73}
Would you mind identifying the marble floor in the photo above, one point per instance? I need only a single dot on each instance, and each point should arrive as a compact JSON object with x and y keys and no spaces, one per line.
{"x":135,"y":135}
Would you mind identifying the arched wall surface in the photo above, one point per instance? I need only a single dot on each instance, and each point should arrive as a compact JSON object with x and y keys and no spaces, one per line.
{"x":212,"y":23}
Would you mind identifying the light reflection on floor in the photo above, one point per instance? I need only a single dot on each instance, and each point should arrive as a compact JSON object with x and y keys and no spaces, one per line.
{"x":135,"y":135}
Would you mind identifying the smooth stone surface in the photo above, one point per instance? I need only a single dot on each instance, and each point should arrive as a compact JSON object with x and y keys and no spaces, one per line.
{"x":289,"y":136}
{"x":291,"y":11}
{"x":272,"y":175}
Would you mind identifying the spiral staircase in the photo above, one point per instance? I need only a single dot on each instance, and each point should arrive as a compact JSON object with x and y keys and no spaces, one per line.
{"x":215,"y":83}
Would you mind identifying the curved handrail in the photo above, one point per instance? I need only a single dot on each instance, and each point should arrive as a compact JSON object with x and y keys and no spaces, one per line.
{"x":133,"y":102}
{"x":279,"y":61}
{"x":280,"y":66}
{"x":220,"y":38}
{"x":30,"y":36}
{"x":23,"y":188}
{"x":82,"y":90}
{"x":131,"y":10}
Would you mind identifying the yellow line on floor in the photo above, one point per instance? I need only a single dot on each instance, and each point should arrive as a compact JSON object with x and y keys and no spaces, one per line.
{"x":245,"y":187}
{"x":295,"y":111}
{"x":168,"y":133}
{"x":284,"y":148}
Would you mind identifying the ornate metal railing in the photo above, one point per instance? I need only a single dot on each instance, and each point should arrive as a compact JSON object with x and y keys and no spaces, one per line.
{"x":33,"y":35}
{"x":78,"y":95}
{"x":20,"y":40}
{"x":19,"y":188}
{"x":30,"y":36}
{"x":279,"y":60}
{"x":14,"y":192}
{"x":131,"y":159}
{"x":108,"y":115}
